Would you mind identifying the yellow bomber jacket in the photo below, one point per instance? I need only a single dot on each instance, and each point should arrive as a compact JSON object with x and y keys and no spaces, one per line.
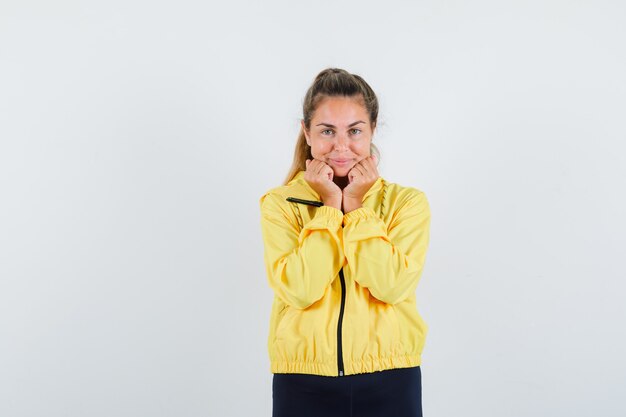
{"x":344,"y":284}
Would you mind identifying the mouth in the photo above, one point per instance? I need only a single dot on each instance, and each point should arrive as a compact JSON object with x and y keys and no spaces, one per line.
{"x":341,"y":162}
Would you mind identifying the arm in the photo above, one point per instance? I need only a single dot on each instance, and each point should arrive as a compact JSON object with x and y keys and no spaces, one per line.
{"x":300,"y":265}
{"x":388,"y":263}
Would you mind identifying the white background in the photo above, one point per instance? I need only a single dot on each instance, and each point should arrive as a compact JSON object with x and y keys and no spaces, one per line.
{"x":137,"y":136}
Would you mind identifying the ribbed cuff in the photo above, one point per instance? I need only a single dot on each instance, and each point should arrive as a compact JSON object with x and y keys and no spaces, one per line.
{"x":360,"y":213}
{"x":328,"y":216}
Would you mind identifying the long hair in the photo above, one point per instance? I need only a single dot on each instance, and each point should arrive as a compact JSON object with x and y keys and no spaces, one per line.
{"x":331,"y":82}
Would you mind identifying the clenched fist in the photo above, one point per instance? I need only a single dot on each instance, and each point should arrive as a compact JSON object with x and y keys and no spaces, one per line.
{"x":319,"y":175}
{"x":362,"y":176}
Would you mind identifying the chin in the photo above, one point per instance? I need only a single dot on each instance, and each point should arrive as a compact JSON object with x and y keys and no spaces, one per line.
{"x":341,"y":172}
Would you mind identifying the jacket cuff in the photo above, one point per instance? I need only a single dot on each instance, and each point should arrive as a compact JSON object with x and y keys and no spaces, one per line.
{"x":326,"y":217}
{"x":360,"y":213}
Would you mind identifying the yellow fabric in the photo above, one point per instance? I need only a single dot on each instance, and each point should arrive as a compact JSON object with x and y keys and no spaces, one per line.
{"x":382,"y":258}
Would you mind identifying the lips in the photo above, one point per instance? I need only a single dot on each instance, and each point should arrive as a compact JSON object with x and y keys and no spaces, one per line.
{"x":341,"y":161}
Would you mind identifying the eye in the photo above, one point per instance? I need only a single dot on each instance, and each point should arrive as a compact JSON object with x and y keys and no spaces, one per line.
{"x":357,"y":131}
{"x":326,"y":130}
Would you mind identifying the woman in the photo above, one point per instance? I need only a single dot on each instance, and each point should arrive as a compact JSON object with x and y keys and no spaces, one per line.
{"x":344,"y":251}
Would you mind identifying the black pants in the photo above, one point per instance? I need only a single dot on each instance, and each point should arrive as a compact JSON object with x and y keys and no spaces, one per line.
{"x":390,"y":393}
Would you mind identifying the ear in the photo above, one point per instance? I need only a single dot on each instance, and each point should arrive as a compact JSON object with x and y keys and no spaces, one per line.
{"x":306,"y":133}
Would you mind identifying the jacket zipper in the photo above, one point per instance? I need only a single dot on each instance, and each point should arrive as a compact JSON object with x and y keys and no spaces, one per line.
{"x":343,"y":302}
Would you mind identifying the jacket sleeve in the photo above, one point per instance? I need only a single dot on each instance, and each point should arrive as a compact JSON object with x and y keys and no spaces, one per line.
{"x":388,"y":262}
{"x":300,"y":264}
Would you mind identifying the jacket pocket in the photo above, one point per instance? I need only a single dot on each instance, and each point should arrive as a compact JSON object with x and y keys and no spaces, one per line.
{"x":284,"y":316}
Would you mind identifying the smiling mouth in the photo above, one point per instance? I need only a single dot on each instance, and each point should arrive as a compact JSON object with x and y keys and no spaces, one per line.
{"x":341,"y":161}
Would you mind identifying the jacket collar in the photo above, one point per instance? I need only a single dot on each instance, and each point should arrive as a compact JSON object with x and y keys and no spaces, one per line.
{"x":299,"y":178}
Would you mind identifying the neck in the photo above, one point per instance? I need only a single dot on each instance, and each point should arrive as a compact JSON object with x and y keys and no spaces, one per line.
{"x":341,"y":182}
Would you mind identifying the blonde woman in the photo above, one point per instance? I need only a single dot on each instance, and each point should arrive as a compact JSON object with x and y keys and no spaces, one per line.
{"x":344,"y":250}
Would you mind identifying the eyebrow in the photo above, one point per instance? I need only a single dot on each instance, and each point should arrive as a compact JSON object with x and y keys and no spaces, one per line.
{"x":350,"y":125}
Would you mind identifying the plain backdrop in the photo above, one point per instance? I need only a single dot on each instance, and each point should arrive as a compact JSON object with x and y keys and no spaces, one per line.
{"x":137,"y":136}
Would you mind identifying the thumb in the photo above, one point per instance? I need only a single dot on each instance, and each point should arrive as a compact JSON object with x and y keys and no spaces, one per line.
{"x":375,"y":158}
{"x":307,"y":162}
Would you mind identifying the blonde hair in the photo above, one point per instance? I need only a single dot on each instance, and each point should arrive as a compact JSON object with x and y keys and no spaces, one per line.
{"x":331,"y":82}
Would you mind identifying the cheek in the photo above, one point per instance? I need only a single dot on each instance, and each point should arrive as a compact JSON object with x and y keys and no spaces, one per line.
{"x":362,"y":148}
{"x":321,"y":147}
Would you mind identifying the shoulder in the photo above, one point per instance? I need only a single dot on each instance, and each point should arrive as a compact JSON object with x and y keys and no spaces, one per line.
{"x":274,"y":198}
{"x":400,"y":194}
{"x":275,"y":191}
{"x":403,"y":201}
{"x":297,"y":188}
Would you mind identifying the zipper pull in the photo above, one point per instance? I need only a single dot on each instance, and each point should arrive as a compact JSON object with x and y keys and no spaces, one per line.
{"x":340,"y":373}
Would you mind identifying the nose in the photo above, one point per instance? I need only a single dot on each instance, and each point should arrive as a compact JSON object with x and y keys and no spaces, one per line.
{"x":341,"y":142}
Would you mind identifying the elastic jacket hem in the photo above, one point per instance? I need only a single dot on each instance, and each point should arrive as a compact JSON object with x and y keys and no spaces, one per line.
{"x":351,"y":367}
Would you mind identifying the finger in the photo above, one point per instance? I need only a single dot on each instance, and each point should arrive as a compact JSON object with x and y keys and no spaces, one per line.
{"x":312,"y":165}
{"x":369,"y":166}
{"x":359,"y":170}
{"x":320,"y":167}
{"x":375,"y":166}
{"x":355,"y":173}
{"x":317,"y":166}
{"x":370,"y":161}
{"x":327,"y":171}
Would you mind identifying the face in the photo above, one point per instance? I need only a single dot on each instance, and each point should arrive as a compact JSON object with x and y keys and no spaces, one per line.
{"x":340,"y":133}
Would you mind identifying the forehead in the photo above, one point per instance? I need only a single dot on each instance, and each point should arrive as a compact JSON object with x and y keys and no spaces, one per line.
{"x":340,"y":110}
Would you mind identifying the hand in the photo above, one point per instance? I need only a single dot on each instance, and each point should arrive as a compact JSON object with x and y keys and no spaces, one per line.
{"x":361,"y":178}
{"x":319,"y":175}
